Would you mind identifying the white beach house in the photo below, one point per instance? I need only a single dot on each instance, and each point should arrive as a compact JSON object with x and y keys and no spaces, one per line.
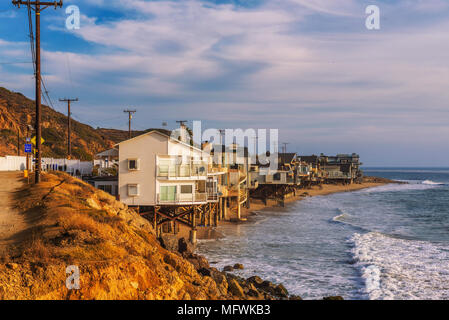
{"x":156,"y":169}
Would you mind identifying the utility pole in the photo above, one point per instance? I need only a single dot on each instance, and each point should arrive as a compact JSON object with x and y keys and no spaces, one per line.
{"x":284,"y":148}
{"x":181,"y":123}
{"x":130,"y":116}
{"x":69,"y":144}
{"x":36,"y":6}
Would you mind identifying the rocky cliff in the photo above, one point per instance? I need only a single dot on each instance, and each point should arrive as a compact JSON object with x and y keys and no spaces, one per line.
{"x":73,"y":224}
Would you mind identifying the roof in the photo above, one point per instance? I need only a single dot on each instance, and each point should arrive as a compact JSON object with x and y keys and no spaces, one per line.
{"x":162,"y":134}
{"x":286,"y":157}
{"x":108,"y":153}
{"x":231,"y":149}
{"x":309,"y":159}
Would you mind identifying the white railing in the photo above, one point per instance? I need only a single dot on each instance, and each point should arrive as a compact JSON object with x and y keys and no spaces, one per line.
{"x":183,"y":198}
{"x":182,"y":170}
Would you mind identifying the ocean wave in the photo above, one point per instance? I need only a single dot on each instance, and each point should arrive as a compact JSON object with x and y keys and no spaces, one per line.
{"x":395,"y":268}
{"x":432,"y":183}
{"x":342,"y":216}
{"x":399,"y":187}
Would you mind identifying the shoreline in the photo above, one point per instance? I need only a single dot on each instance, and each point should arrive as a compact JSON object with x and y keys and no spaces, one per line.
{"x":211,"y":233}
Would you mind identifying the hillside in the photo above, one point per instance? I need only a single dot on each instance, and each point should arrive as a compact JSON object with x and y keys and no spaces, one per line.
{"x":17,"y":111}
{"x":71,"y":223}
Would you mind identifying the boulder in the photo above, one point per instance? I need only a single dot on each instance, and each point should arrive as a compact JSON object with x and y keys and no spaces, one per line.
{"x":228,"y":268}
{"x":238,"y":266}
{"x":169,"y":242}
{"x":257,"y":281}
{"x":235,"y":288}
{"x":184,"y":246}
{"x":198,"y":261}
{"x":204,"y":272}
{"x":280,"y":291}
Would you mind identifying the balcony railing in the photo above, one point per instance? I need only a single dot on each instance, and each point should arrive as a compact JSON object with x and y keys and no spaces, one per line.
{"x":182,"y":198}
{"x":181,"y":171}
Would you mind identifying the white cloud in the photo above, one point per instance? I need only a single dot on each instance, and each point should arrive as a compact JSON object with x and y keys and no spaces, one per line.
{"x":260,"y":67}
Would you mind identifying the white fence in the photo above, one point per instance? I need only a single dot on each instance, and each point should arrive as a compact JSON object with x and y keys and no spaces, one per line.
{"x":74,"y":167}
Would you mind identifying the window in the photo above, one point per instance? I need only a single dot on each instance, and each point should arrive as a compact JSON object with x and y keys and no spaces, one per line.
{"x":105,"y":187}
{"x":277,"y":176}
{"x":133,"y":164}
{"x":186,"y":188}
{"x":167,"y":193}
{"x":133,"y":190}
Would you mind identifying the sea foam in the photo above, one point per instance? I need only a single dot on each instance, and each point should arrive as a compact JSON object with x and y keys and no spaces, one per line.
{"x":394,"y":268}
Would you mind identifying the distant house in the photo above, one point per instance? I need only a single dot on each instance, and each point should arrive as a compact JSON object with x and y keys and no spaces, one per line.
{"x":156,"y":169}
{"x":341,"y":168}
{"x":286,"y":173}
{"x":108,"y":184}
{"x":106,"y":159}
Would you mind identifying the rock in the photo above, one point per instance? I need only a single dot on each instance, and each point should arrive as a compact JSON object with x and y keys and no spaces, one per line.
{"x":204,"y":272}
{"x":333,"y":298}
{"x":280,"y":291}
{"x":228,"y":268}
{"x":268,"y":287}
{"x":12,"y":266}
{"x":257,"y":281}
{"x":169,"y":242}
{"x":198,"y":261}
{"x":220,"y":280}
{"x":184,"y":246}
{"x":294,"y":298}
{"x":254,"y":293}
{"x":238,"y":266}
{"x":134,"y":284}
{"x":235,"y":288}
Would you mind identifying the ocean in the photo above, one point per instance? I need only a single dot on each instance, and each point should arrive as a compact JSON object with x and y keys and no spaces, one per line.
{"x":387,"y":242}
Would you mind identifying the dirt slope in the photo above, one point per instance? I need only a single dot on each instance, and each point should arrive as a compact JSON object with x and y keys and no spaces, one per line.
{"x":115,"y":249}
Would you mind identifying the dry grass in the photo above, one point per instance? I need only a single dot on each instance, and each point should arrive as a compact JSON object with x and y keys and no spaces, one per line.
{"x":74,"y":221}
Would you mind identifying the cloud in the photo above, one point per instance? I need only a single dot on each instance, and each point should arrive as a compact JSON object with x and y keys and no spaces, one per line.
{"x":273,"y":65}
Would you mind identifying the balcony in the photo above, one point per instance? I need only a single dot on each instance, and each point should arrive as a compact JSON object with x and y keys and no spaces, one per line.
{"x":182,"y":171}
{"x":182,"y":198}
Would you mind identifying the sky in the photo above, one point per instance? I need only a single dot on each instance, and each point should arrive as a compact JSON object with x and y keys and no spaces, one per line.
{"x":309,"y":68}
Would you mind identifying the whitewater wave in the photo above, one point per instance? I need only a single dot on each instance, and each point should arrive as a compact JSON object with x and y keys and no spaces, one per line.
{"x":342,"y":216}
{"x":432,"y":183}
{"x":394,"y":268}
{"x":401,"y":187}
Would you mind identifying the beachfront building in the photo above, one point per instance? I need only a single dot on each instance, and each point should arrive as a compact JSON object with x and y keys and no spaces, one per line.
{"x":316,"y":176}
{"x":108,"y":184}
{"x":235,"y":183}
{"x":168,"y":180}
{"x":281,"y":183}
{"x":342,"y":168}
{"x":106,"y":159}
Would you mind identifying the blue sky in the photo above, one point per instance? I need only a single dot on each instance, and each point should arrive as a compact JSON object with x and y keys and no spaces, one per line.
{"x":307,"y":67}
